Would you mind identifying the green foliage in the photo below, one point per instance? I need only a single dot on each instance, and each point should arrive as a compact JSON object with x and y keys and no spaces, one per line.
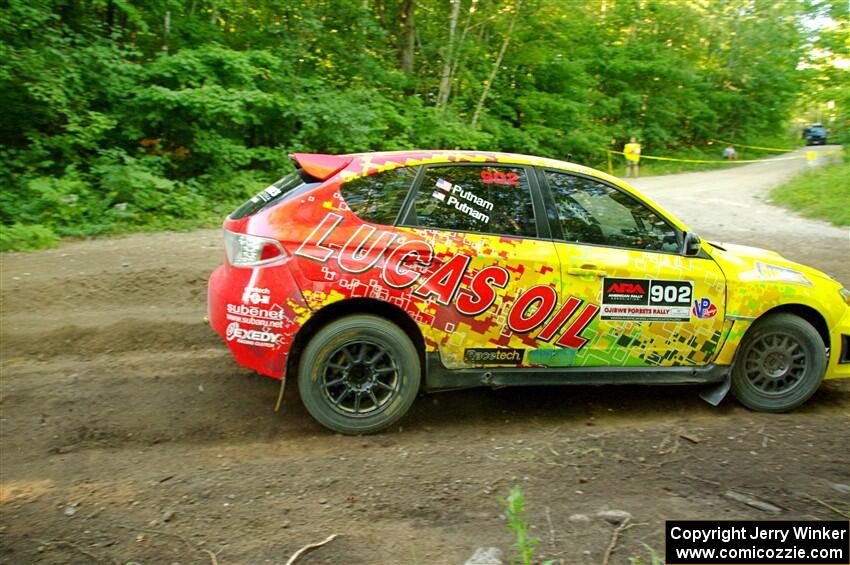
{"x":825,"y":66}
{"x":20,"y":237}
{"x":515,"y":513}
{"x":119,"y":116}
{"x":822,"y":193}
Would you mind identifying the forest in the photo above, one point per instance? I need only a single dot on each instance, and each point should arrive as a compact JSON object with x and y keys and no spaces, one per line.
{"x":121,"y":115}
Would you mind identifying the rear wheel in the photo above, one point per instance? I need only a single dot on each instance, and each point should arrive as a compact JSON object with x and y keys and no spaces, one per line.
{"x":780,"y":364}
{"x":359,"y":374}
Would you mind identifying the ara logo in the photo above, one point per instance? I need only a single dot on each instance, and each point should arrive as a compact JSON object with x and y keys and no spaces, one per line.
{"x":624,"y":291}
{"x":703,"y":308}
{"x":626,"y":288}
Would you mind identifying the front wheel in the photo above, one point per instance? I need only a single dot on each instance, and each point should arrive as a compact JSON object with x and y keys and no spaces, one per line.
{"x":359,"y":374}
{"x":780,"y":365}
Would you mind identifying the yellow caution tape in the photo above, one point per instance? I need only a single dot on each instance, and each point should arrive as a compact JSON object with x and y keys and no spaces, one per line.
{"x":754,"y":146}
{"x":717,"y":161}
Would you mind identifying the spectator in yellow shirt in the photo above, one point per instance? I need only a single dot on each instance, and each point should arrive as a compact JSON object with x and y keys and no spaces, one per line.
{"x":632,"y":152}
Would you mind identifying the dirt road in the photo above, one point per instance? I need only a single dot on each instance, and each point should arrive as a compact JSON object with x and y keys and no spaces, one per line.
{"x":128,"y":434}
{"x":732,"y":205}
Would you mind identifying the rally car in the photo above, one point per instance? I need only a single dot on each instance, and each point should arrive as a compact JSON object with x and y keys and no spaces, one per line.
{"x":371,"y":277}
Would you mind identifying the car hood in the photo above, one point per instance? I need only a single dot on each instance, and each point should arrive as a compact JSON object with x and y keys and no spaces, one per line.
{"x":753,"y":263}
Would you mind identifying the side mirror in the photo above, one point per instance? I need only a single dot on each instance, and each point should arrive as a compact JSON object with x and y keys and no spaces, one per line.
{"x":692,"y":244}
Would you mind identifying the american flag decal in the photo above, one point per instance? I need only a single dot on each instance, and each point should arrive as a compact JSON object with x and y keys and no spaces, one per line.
{"x":444,"y":184}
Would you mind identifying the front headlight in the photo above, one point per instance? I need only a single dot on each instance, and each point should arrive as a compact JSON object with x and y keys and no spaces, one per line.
{"x":770,"y":272}
{"x":845,"y":295}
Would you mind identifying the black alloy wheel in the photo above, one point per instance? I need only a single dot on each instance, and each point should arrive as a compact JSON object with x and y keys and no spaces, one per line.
{"x":359,"y":374}
{"x":779,"y":365}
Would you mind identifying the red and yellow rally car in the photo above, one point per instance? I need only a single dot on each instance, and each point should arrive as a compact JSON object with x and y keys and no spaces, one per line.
{"x":370,"y":277}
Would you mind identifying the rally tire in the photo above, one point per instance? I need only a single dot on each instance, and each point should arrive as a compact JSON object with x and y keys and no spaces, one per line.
{"x":359,"y":374}
{"x":780,"y":364}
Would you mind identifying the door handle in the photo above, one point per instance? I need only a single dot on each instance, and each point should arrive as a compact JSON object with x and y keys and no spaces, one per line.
{"x":587,"y":270}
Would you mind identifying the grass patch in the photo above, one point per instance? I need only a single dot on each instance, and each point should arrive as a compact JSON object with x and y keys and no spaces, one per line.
{"x":822,"y":193}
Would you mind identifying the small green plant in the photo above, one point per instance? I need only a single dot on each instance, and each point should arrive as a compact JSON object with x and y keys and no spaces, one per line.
{"x":515,"y":512}
{"x":654,"y":559}
{"x":20,"y":237}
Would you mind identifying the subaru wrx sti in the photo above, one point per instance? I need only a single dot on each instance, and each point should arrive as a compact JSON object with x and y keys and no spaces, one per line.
{"x":372,"y":277}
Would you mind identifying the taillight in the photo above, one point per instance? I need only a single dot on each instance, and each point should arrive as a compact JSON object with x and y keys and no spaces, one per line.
{"x":245,"y":250}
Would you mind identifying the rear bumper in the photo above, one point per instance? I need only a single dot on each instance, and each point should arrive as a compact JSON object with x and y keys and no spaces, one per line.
{"x":839,"y":355}
{"x":257,"y":312}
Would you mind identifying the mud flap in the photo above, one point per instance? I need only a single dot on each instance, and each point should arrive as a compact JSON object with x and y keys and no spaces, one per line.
{"x":714,"y":394}
{"x":279,"y":402}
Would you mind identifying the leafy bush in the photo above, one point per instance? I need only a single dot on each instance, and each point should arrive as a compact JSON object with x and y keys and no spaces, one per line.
{"x":20,"y":237}
{"x":112,"y":122}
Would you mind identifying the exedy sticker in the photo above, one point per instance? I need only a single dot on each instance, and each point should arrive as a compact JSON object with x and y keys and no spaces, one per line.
{"x":261,"y":338}
{"x":646,"y":300}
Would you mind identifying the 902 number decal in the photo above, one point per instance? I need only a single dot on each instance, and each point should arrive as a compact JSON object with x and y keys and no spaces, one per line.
{"x":499,"y":177}
{"x":671,"y":293}
{"x":646,"y":300}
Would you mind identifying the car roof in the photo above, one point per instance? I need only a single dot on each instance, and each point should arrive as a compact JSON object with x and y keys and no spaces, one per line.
{"x":386,"y":160}
{"x":354,"y":165}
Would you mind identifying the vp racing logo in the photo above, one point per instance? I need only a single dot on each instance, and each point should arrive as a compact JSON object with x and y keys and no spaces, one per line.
{"x":703,"y":308}
{"x":259,"y":338}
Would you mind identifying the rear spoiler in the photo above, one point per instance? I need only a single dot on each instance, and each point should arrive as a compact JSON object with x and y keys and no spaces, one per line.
{"x":320,"y":166}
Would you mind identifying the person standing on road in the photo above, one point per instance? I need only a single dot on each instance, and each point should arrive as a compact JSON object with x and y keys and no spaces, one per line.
{"x":632,"y":153}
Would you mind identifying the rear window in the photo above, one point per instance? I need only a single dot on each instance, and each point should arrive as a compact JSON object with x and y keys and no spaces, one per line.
{"x":377,"y":198}
{"x":290,"y":185}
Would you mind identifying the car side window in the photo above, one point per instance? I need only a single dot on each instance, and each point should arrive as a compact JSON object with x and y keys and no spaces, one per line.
{"x":475,"y":198}
{"x":378,"y":198}
{"x":595,"y":213}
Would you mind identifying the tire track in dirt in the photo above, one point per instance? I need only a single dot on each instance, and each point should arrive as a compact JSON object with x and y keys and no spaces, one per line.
{"x":118,"y":337}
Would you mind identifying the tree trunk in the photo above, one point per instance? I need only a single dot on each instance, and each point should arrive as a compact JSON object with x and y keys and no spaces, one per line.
{"x":166,"y":31}
{"x":496,"y":64}
{"x":462,"y":41}
{"x":110,"y":15}
{"x":408,"y":36}
{"x":446,"y":77}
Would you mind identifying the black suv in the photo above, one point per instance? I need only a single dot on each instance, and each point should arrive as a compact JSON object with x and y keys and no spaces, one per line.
{"x":815,"y":135}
